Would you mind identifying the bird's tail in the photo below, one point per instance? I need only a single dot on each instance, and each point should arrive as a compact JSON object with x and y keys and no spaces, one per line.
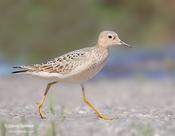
{"x":21,"y":69}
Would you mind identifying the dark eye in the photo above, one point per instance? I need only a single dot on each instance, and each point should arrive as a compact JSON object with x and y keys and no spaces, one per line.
{"x":110,"y":36}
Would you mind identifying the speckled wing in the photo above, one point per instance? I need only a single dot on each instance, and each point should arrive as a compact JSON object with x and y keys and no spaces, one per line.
{"x":68,"y":63}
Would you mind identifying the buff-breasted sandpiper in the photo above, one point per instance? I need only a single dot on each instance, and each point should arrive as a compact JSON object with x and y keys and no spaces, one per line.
{"x":75,"y":67}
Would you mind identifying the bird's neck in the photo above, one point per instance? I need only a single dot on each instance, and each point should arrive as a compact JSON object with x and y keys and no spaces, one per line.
{"x":101,"y":47}
{"x":102,"y":50}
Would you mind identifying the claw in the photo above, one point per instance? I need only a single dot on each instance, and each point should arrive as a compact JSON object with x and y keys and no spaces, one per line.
{"x":43,"y":115}
{"x":104,"y":117}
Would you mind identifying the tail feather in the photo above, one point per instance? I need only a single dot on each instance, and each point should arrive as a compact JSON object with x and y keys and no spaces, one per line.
{"x":21,"y":69}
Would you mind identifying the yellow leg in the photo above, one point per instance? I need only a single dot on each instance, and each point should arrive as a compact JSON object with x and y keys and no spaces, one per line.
{"x":99,"y":114}
{"x":40,"y":104}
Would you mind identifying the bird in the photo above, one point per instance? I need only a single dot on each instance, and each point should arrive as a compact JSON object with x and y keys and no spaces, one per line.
{"x":76,"y":67}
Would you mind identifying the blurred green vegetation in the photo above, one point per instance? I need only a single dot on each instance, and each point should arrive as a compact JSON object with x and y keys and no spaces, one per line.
{"x":36,"y":30}
{"x":2,"y":128}
{"x":142,"y":129}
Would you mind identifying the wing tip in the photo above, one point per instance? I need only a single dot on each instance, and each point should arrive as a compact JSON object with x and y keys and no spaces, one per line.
{"x":19,"y":71}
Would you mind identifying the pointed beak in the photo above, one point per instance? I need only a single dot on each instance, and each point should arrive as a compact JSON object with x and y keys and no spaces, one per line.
{"x":125,"y":44}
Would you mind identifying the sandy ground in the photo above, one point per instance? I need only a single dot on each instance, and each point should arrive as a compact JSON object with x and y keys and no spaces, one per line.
{"x":144,"y":107}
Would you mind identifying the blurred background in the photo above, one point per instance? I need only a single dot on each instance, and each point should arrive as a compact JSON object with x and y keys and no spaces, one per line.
{"x":34,"y":31}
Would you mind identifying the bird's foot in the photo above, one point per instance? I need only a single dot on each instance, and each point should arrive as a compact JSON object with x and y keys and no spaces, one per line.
{"x":101,"y":116}
{"x":42,"y":114}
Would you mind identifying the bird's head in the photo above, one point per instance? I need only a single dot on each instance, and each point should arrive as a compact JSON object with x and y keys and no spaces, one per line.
{"x":107,"y":39}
